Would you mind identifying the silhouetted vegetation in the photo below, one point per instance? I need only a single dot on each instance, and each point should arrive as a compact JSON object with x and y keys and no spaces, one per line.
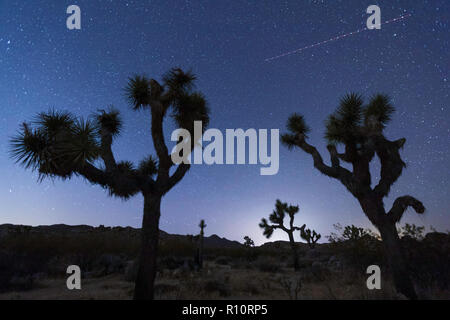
{"x":248,"y":242}
{"x":277,"y":220}
{"x":311,"y":237}
{"x":333,"y":270}
{"x":62,"y":145}
{"x":359,"y":129}
{"x":199,"y":256}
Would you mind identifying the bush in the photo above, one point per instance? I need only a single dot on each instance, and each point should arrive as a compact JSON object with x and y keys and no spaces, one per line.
{"x":266,"y":264}
{"x":222,"y":261}
{"x":214,"y":285}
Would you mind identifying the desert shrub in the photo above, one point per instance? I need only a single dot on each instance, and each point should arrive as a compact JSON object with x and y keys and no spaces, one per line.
{"x":222,"y":260}
{"x":412,"y":231}
{"x":170,"y":263}
{"x":251,"y":287}
{"x":89,"y":244}
{"x":131,"y":270}
{"x":216,"y":285}
{"x":267,"y":264}
{"x":359,"y":247}
{"x":429,"y":259}
{"x":177,"y":247}
{"x":165,"y":288}
{"x":16,"y":270}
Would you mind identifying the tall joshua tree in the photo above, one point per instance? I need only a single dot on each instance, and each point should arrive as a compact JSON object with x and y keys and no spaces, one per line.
{"x":277,"y":222}
{"x":64,"y":146}
{"x":202,"y":226}
{"x":358,"y":128}
{"x":311,"y":237}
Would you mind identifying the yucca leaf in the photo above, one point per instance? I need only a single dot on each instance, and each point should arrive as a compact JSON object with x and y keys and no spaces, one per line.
{"x":378,"y":112}
{"x":138,"y":92}
{"x":296,"y":125}
{"x":110,"y":121}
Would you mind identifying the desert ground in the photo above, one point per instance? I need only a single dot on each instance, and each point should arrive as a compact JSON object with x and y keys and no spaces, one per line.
{"x":34,"y":262}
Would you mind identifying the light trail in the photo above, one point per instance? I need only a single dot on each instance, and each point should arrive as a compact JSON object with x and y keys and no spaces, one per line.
{"x":334,"y":39}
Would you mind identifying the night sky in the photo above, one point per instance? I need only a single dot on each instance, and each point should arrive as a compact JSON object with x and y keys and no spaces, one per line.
{"x":44,"y":65}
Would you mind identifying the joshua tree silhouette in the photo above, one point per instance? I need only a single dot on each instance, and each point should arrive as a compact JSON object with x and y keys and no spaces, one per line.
{"x":248,"y":242}
{"x":63,"y":146}
{"x":277,"y":218}
{"x":202,"y":226}
{"x":311,"y":237}
{"x":359,"y":129}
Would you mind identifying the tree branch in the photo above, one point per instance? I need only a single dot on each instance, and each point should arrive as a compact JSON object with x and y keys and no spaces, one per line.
{"x":391,"y":163}
{"x":93,"y":174}
{"x":318,"y":161}
{"x":401,"y":204}
{"x":106,"y":151}
{"x":335,"y":171}
{"x":334,"y":157}
{"x":179,"y":173}
{"x":165,"y":162}
{"x":117,"y":183}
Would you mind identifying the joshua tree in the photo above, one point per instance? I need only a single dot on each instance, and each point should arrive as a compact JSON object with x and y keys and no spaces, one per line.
{"x":311,"y":237}
{"x":64,"y":146}
{"x":248,"y":242}
{"x":277,"y":218}
{"x":359,"y":129}
{"x":202,"y":226}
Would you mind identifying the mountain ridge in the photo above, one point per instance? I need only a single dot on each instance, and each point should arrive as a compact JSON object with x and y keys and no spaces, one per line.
{"x":212,"y":241}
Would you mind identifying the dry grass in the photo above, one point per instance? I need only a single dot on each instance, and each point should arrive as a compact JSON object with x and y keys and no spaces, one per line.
{"x":214,"y":282}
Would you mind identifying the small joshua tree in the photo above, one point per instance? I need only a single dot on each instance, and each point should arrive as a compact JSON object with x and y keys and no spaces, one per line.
{"x":359,"y":129}
{"x":248,"y":242}
{"x":248,"y":245}
{"x":311,"y":237}
{"x":65,"y":146}
{"x":202,"y":226}
{"x":277,"y":220}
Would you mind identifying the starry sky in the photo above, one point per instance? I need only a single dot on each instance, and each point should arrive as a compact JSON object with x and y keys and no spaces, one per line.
{"x":44,"y":65}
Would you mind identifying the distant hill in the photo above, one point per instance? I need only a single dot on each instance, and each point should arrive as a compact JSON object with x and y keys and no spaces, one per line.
{"x":213,"y":241}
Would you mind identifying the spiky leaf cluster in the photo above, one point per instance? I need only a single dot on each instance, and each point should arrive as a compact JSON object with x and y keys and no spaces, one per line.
{"x":190,"y":107}
{"x":378,"y":112}
{"x":57,"y":145}
{"x":297,"y":129}
{"x":176,"y":91}
{"x":343,"y":125}
{"x":277,"y":217}
{"x":138,"y":92}
{"x":110,"y":121}
{"x":178,"y":81}
{"x":351,"y":123}
{"x":148,"y":166}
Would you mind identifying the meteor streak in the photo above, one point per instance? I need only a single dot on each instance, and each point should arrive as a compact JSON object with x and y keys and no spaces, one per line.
{"x":334,"y":39}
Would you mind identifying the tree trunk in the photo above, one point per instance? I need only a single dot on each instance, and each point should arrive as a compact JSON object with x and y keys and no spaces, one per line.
{"x":396,"y":261}
{"x":200,"y":253}
{"x":294,"y":251}
{"x":145,"y":279}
